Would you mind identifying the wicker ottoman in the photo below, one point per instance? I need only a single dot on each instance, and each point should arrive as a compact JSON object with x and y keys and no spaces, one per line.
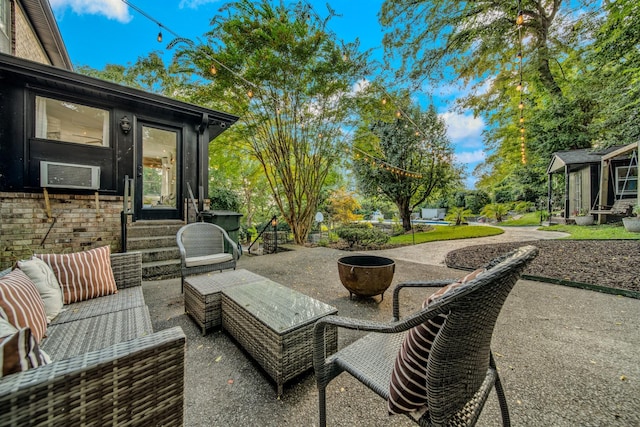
{"x":274,"y":324}
{"x":202,"y":294}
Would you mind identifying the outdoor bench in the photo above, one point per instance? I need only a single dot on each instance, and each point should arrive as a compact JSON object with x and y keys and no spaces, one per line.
{"x":108,"y":366}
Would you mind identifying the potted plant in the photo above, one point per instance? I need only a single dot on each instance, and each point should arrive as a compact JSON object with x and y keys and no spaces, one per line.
{"x":582,"y":217}
{"x":632,"y":223}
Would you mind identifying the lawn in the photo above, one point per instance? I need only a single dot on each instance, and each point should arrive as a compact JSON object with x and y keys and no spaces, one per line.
{"x":530,"y":218}
{"x":445,"y":232}
{"x":595,"y":232}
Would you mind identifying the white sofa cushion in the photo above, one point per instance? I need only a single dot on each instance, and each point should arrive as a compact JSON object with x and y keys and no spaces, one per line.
{"x":42,"y":276}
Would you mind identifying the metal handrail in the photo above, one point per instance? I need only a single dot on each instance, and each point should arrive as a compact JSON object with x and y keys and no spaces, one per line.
{"x":195,"y":206}
{"x":273,"y":218}
{"x":128,"y":208}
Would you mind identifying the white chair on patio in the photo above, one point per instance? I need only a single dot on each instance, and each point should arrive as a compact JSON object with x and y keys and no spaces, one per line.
{"x":202,"y":249}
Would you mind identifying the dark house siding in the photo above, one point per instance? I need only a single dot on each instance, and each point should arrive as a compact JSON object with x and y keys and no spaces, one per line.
{"x":21,"y":152}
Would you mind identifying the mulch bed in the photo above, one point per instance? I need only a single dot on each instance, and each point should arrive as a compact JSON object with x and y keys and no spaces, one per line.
{"x":605,"y":265}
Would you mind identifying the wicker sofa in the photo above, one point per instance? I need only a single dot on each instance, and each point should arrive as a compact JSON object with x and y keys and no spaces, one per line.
{"x":109,"y":367}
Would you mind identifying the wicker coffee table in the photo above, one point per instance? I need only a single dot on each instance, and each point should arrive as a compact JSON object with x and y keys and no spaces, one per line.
{"x":275,"y":325}
{"x":202,"y":294}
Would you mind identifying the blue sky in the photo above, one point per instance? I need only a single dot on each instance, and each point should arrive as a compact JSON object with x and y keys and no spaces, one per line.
{"x":100,"y":32}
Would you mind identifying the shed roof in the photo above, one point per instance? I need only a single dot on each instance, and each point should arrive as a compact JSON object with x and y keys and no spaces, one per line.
{"x":584,"y":156}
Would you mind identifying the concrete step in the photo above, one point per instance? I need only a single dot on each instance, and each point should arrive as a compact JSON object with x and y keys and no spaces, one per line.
{"x":157,"y":270}
{"x":159,"y":254}
{"x":151,"y":241}
{"x":153,"y":228}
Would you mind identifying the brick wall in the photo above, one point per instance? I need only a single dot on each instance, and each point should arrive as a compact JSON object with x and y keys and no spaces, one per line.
{"x":79,"y":224}
{"x":27,"y":45}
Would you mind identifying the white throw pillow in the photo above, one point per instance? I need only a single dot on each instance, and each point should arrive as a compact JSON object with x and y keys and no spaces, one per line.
{"x":45,"y":280}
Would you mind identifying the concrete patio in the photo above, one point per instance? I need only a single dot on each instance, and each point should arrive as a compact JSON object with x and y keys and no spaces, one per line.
{"x":567,"y":356}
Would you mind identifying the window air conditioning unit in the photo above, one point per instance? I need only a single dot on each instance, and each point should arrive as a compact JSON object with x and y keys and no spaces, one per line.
{"x":67,"y":175}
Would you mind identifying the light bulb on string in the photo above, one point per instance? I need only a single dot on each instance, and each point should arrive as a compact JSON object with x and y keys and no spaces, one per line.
{"x":384,"y":101}
{"x":250,"y":93}
{"x":521,"y":105}
{"x":159,"y":38}
{"x":398,"y":114}
{"x":521,"y":119}
{"x":520,"y":18}
{"x":519,"y":87}
{"x":213,"y":69}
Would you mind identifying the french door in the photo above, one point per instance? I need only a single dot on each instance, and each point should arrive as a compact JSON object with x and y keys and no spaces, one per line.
{"x":158,"y":172}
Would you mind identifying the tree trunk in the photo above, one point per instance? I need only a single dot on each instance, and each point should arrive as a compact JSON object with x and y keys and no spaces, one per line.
{"x":404,"y":209}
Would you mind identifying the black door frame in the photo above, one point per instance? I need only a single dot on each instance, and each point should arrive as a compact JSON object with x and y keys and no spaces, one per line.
{"x":142,"y":213}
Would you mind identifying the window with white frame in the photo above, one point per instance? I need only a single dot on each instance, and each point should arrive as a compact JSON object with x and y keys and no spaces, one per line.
{"x":626,"y":180}
{"x":60,"y":120}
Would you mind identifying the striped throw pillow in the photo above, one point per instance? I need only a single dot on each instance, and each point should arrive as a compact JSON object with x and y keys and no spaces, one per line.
{"x":408,"y":386}
{"x":21,"y":304}
{"x":83,"y":275}
{"x":19,"y":350}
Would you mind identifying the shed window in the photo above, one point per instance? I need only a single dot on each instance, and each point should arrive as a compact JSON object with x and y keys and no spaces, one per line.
{"x":71,"y":122}
{"x":627,"y":180}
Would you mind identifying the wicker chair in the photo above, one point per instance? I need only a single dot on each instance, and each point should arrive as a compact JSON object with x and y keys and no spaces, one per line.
{"x":460,"y":370}
{"x":202,"y":249}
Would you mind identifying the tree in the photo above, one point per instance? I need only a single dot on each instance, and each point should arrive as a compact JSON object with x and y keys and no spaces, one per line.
{"x":290,"y":81}
{"x":342,"y":206}
{"x":615,"y":74}
{"x":477,"y":44}
{"x":458,"y":215}
{"x":406,"y":159}
{"x":495,"y":210}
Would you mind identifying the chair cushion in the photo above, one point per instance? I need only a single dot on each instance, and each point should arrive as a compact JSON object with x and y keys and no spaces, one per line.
{"x":19,"y":350}
{"x":408,"y":386}
{"x":197,"y":261}
{"x":48,"y":287}
{"x":21,"y":305}
{"x":83,"y":275}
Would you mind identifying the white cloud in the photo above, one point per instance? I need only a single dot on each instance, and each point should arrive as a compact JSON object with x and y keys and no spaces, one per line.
{"x":359,"y":86}
{"x":194,"y":4}
{"x":470,"y":156}
{"x":464,"y":129}
{"x":112,"y":9}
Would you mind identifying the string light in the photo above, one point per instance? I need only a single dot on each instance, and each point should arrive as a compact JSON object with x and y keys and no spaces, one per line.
{"x":250,"y":93}
{"x":520,"y":87}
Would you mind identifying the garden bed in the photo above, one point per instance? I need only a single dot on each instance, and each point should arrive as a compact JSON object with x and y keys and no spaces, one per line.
{"x":602,"y":265}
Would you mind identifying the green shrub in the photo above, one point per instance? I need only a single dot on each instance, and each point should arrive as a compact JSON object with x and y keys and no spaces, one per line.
{"x":224,"y":199}
{"x":457,"y":215}
{"x":397,"y":229}
{"x":524,"y":207}
{"x":362,"y":235}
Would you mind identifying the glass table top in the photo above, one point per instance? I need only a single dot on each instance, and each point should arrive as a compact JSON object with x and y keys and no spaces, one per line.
{"x":278,"y":307}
